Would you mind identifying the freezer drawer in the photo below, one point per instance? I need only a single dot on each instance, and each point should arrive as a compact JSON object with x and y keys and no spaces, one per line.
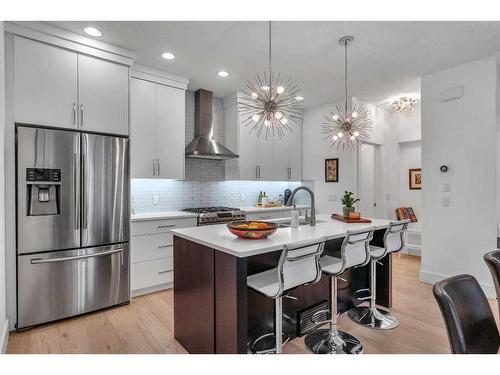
{"x":60,"y":284}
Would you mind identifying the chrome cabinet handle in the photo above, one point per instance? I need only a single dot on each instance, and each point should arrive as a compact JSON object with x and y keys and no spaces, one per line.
{"x":256,"y":172}
{"x":265,"y":217}
{"x":74,"y":113}
{"x":154,"y":167}
{"x":76,"y":257}
{"x":163,"y":246}
{"x":81,"y":114}
{"x":158,"y":164}
{"x":85,"y":188}
{"x":162,"y":272}
{"x":166,"y":226}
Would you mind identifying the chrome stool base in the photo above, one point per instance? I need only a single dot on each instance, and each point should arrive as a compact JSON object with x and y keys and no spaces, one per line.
{"x":321,"y":341}
{"x":266,"y":344}
{"x":373,"y":318}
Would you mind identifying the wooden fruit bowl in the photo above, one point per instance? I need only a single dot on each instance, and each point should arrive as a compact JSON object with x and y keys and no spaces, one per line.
{"x":252,"y":230}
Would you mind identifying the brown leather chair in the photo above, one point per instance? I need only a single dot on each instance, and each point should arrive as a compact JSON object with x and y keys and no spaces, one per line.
{"x":492,"y":260}
{"x":467,"y":315}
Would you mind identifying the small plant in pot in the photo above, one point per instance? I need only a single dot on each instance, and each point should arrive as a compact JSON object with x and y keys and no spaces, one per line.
{"x":348,"y":201}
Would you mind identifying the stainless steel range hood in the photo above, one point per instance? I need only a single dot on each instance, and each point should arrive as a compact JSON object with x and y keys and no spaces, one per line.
{"x":203,"y":146}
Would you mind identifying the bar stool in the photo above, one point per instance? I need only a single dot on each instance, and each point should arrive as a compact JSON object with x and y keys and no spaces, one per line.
{"x":370,"y":316}
{"x":354,"y":252}
{"x":298,"y":265}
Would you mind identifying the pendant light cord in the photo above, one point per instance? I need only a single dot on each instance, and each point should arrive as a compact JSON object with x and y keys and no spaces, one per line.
{"x":345,"y":74}
{"x":270,"y":47}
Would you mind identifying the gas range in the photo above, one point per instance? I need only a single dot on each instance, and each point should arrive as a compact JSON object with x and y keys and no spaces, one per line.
{"x":217,"y":215}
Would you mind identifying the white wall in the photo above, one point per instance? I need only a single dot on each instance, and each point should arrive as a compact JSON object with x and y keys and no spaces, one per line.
{"x":315,"y":151}
{"x":409,"y":158}
{"x":461,"y":134}
{"x":3,"y":289}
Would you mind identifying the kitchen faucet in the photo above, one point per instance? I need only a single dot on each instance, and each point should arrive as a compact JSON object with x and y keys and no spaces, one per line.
{"x":311,"y":220}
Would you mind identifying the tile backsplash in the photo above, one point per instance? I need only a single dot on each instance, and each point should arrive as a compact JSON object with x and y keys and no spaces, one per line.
{"x":175,"y":195}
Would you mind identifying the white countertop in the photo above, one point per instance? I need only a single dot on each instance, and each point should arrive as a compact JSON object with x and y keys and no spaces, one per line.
{"x":145,"y":216}
{"x":162,"y":215}
{"x":218,"y":236}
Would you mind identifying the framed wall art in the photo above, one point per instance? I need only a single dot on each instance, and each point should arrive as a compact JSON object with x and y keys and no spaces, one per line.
{"x":332,"y":170}
{"x":415,"y":179}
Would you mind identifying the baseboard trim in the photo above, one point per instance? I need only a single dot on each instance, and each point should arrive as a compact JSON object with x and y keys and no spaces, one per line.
{"x":432,"y":278}
{"x":4,"y":336}
{"x":151,"y":289}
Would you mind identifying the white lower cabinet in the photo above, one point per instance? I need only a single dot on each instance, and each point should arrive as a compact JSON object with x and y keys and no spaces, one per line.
{"x":153,"y":254}
{"x":266,"y":215}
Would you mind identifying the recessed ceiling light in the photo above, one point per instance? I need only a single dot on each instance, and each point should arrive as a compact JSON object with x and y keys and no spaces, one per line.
{"x":168,"y":55}
{"x":92,"y":31}
{"x":223,"y":74}
{"x":299,"y":97}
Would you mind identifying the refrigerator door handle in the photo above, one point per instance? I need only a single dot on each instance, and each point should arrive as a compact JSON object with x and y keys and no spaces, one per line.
{"x":85,"y":187}
{"x":76,"y":195}
{"x":76,"y":257}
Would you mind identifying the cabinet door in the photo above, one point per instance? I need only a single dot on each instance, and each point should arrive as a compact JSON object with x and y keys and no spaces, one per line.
{"x":248,"y":153}
{"x":102,"y":95}
{"x":142,"y":128}
{"x":265,"y":158}
{"x":170,"y":131}
{"x":295,"y":153}
{"x":281,"y":148}
{"x":45,"y":84}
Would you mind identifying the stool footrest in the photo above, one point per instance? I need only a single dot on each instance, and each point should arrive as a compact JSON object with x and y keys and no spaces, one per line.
{"x":314,"y":316}
{"x":363,"y":294}
{"x":285,"y":337}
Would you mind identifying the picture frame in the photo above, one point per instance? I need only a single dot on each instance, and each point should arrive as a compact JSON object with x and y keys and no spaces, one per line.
{"x":415,"y":179}
{"x":332,"y":170}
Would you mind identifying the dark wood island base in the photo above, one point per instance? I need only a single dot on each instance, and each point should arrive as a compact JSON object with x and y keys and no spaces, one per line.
{"x":215,"y":312}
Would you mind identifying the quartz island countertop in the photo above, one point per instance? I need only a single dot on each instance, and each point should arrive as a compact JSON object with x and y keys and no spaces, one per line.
{"x":218,"y":236}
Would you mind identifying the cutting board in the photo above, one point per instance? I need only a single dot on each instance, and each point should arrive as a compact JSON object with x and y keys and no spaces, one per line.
{"x":346,"y":220}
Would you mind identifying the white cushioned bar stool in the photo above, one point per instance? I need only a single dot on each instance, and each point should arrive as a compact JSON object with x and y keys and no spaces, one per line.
{"x":298,"y":265}
{"x":354,"y":252}
{"x":370,"y":316}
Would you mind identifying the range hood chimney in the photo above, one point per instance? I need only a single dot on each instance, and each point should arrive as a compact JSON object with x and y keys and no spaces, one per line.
{"x":203,"y":146}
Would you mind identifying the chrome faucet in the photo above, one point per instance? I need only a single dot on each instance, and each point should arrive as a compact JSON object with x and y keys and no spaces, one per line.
{"x":310,"y":220}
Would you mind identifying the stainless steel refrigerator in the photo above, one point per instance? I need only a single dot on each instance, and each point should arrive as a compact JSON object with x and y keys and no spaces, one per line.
{"x":73,"y":253}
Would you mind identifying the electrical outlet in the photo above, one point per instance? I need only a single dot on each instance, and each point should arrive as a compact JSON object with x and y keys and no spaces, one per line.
{"x":332,"y":198}
{"x":388,"y":197}
{"x":242,"y":196}
{"x":156,"y":199}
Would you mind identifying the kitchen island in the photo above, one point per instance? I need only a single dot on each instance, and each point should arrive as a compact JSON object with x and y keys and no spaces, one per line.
{"x":215,"y":312}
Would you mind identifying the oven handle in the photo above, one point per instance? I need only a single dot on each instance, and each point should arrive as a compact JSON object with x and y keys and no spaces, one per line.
{"x":76,"y":257}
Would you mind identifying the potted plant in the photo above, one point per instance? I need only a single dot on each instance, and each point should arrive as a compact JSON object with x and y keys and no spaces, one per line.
{"x":348,"y":202}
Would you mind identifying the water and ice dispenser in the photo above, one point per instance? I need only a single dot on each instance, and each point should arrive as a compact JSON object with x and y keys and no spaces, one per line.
{"x":43,"y":191}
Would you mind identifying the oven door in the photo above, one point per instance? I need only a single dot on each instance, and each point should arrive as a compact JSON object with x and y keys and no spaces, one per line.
{"x":60,"y":284}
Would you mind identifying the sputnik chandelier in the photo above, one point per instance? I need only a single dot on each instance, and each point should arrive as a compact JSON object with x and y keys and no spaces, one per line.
{"x":350,"y":125}
{"x":404,"y":104}
{"x":270,"y":102}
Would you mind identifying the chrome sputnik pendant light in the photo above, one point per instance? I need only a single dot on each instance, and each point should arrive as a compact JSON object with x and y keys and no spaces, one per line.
{"x":270,"y":102}
{"x":350,"y":125}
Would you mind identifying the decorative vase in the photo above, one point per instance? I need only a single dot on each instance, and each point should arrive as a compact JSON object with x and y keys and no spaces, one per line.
{"x":347,"y":211}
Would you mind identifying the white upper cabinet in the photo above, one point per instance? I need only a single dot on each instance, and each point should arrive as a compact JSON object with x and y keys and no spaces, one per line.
{"x":103,"y":95}
{"x":170,"y":131}
{"x":271,"y":159}
{"x":157,"y":128}
{"x":142,"y":128}
{"x":62,"y":88}
{"x":45,"y":84}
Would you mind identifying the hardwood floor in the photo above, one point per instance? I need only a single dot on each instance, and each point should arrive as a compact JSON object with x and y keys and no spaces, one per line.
{"x":146,"y":325}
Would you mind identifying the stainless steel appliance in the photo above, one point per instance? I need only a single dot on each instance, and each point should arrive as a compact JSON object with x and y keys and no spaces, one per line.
{"x":72,"y":223}
{"x":217,"y":215}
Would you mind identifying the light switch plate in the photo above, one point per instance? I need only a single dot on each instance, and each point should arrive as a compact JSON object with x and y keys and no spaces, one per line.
{"x":242,"y":196}
{"x":156,"y":199}
{"x":446,"y":187}
{"x":446,"y":202}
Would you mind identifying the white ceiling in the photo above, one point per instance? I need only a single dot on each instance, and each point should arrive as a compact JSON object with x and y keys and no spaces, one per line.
{"x":386,"y":59}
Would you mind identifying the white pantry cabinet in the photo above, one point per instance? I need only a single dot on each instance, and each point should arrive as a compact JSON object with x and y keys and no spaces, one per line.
{"x":63,"y":88}
{"x":157,"y":130}
{"x":271,"y":159}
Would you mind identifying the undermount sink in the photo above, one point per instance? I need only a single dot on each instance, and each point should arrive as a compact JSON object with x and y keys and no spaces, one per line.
{"x":288,"y":222}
